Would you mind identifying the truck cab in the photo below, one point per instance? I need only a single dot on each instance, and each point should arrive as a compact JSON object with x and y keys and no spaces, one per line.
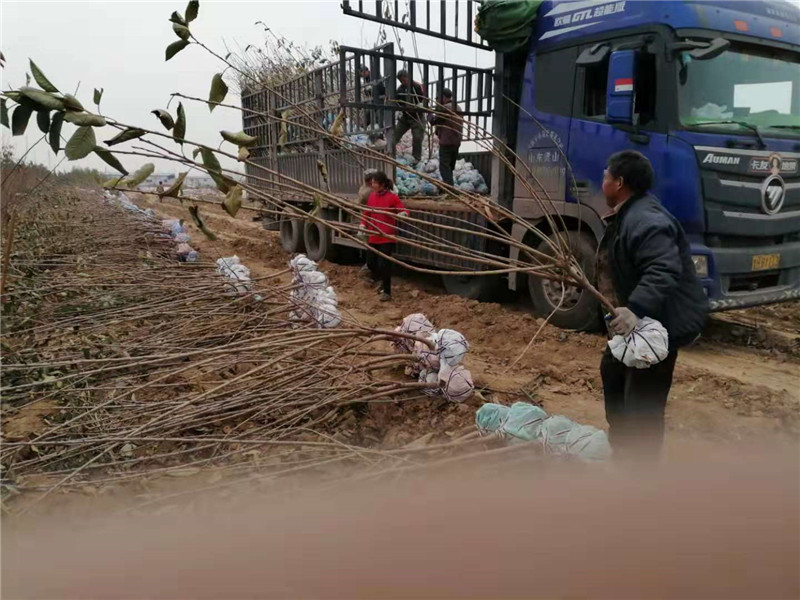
{"x":710,"y":93}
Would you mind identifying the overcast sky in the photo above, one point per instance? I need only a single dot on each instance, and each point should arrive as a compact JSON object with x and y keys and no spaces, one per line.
{"x":119,"y":46}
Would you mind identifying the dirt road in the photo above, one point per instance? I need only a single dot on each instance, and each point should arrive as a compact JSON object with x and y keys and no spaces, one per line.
{"x":740,"y":383}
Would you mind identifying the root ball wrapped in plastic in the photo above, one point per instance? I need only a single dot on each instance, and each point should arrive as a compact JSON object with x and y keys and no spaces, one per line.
{"x":327,"y":316}
{"x":646,"y":345}
{"x":314,"y":279}
{"x":456,"y":383}
{"x":588,"y":443}
{"x":490,"y":418}
{"x":451,"y":346}
{"x":428,"y":189}
{"x":232,"y":268}
{"x":554,"y":434}
{"x":525,"y":421}
{"x":184,"y":252}
{"x":302,"y":263}
{"x":426,"y":356}
{"x":413,"y":324}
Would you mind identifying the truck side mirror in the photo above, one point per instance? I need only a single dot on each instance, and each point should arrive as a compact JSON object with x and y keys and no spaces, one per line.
{"x":619,"y":88}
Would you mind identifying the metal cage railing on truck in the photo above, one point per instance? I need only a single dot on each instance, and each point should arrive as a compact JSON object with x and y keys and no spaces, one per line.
{"x":280,"y":116}
{"x":284,"y":115}
{"x":472,"y":87}
{"x":450,"y":21}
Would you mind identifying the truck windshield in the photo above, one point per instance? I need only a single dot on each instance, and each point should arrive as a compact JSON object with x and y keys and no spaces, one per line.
{"x":739,"y":90}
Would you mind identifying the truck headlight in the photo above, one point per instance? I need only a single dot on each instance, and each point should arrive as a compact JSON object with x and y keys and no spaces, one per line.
{"x":700,"y":264}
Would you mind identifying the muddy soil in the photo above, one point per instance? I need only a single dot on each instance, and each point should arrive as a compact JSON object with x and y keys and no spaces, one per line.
{"x":740,"y":383}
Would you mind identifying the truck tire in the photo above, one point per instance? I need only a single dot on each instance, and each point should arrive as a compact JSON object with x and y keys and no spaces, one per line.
{"x":475,"y":287}
{"x":291,"y":232}
{"x":318,"y":239}
{"x":579,"y":309}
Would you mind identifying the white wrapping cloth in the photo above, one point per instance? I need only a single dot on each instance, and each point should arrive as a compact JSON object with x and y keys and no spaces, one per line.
{"x":645,"y":346}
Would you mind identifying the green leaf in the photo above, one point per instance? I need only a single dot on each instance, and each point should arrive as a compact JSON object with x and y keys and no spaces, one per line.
{"x":164,"y":117}
{"x":43,"y":99}
{"x":194,"y":210}
{"x":244,"y":154}
{"x":140,"y":175}
{"x":233,"y":201}
{"x":175,"y":189}
{"x":240,"y":138}
{"x":111,"y":160}
{"x":72,"y":103}
{"x":176,"y":47}
{"x":182,"y":31}
{"x":3,"y":113}
{"x":43,"y":120}
{"x":81,"y":144}
{"x":195,"y":152}
{"x":179,"y":131}
{"x":55,"y":131}
{"x":84,"y":118}
{"x":131,"y":133}
{"x":98,"y":95}
{"x":214,"y":170}
{"x":13,"y":95}
{"x":19,"y":120}
{"x":191,"y":10}
{"x":176,"y":17}
{"x":43,"y":81}
{"x":219,"y":89}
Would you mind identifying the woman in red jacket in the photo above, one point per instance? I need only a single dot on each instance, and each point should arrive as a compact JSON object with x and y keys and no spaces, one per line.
{"x":379,"y":222}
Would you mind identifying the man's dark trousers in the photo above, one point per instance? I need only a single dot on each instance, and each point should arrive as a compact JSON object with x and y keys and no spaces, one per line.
{"x":636,"y":400}
{"x":447,"y":162}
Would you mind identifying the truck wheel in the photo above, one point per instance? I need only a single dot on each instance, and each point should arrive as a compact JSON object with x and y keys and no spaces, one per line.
{"x":318,"y":238}
{"x":579,"y":309}
{"x":473,"y":287}
{"x":291,"y":232}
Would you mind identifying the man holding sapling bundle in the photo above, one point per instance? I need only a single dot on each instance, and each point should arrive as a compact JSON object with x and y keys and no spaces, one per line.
{"x":648,"y":262}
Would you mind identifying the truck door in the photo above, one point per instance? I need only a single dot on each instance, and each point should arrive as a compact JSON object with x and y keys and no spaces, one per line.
{"x":628,"y":66}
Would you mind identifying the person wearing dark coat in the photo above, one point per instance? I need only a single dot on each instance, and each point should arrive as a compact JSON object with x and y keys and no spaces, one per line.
{"x":647,"y":259}
{"x":449,"y":127}
{"x":374,"y":92}
{"x":412,"y":98}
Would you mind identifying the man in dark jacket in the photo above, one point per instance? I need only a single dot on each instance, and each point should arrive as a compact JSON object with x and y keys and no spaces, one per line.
{"x":412,"y":98}
{"x":651,"y":269}
{"x":449,"y":126}
{"x":374,"y":92}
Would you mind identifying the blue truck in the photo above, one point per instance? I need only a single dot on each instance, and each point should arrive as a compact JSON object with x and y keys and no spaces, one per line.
{"x":708,"y":90}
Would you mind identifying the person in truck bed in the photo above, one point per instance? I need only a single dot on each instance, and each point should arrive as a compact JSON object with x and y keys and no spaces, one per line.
{"x":645,"y":257}
{"x":374,"y":93}
{"x":412,"y":99}
{"x":449,"y":126}
{"x":379,"y":223}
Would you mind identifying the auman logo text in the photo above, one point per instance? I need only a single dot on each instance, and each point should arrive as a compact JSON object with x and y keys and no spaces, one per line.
{"x":716,"y":159}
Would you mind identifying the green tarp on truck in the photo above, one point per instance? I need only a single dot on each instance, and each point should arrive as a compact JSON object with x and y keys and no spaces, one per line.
{"x":506,"y":25}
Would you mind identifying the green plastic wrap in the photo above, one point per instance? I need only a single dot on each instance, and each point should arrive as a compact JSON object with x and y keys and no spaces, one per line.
{"x":506,"y":25}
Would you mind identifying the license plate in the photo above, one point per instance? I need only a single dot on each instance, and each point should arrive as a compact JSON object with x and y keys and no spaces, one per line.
{"x":764,"y":262}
